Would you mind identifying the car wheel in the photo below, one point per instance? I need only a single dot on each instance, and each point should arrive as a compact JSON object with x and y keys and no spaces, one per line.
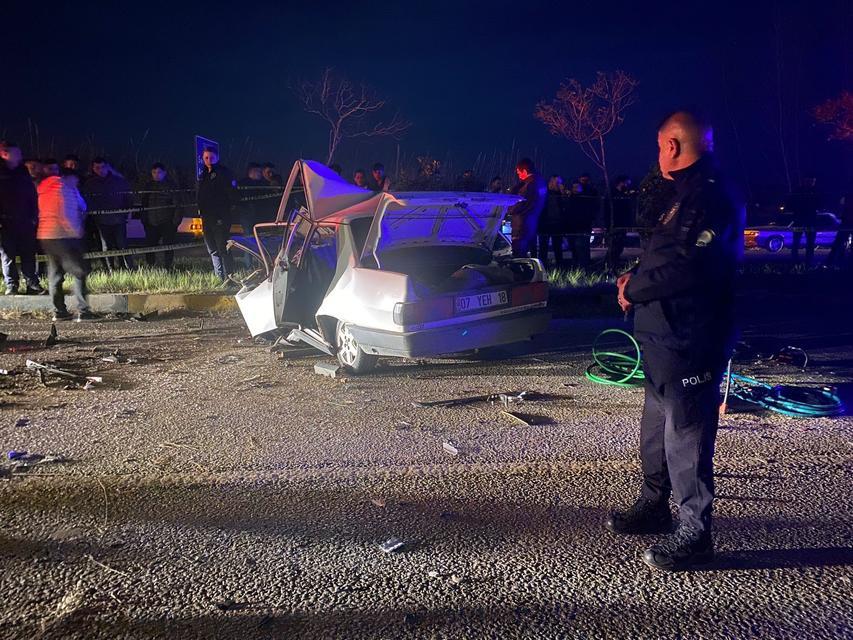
{"x":775,"y":244}
{"x":350,"y":354}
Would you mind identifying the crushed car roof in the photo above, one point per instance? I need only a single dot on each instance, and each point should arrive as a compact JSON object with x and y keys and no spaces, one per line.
{"x":329,"y":197}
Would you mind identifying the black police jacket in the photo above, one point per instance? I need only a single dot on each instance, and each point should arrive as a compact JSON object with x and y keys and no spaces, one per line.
{"x":683,"y":288}
{"x":217,"y":194}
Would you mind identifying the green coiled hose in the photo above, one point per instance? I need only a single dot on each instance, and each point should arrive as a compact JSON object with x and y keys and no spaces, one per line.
{"x":614,"y":368}
{"x":625,"y":370}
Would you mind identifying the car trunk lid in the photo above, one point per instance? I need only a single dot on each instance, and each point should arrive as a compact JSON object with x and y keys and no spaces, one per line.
{"x":462,"y":222}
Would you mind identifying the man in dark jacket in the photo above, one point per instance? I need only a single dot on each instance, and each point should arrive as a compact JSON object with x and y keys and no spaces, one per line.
{"x":525,"y":214}
{"x":622,"y":203}
{"x":256,"y":204}
{"x":106,"y":190}
{"x":804,"y":204}
{"x":578,"y":224}
{"x":18,"y":221}
{"x":683,"y":293}
{"x":217,"y":195}
{"x":552,"y":222}
{"x":162,"y":213}
{"x":841,"y":243}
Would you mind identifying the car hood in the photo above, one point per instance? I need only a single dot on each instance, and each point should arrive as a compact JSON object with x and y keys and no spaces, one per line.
{"x":417,"y":219}
{"x":326,"y":193}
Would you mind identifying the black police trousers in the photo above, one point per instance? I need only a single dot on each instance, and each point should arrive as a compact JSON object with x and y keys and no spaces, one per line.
{"x":677,"y":433}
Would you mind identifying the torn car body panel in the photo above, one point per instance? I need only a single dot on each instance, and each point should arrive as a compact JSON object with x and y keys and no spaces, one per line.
{"x":395,"y":274}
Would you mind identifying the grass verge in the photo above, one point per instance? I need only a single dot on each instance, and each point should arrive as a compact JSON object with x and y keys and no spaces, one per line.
{"x":147,"y":280}
{"x":577,"y":278}
{"x":198,"y":278}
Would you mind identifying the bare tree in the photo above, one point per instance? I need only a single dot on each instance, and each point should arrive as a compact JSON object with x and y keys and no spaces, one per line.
{"x":350,"y":110}
{"x":587,"y":115}
{"x":838,"y":114}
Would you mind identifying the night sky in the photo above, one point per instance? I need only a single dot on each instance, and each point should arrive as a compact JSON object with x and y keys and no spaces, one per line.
{"x":467,"y":75}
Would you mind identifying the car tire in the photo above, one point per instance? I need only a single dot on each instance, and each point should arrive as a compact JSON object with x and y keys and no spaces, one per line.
{"x":775,"y":244}
{"x":350,"y":354}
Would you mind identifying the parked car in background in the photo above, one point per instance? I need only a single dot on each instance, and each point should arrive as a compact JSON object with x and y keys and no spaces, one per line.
{"x":359,"y":274}
{"x":774,"y":237}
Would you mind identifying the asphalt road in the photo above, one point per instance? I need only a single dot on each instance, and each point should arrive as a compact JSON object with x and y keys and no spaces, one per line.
{"x":214,"y":490}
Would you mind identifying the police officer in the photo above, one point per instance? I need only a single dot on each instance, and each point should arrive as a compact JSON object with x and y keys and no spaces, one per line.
{"x":525,"y":215}
{"x":683,"y":295}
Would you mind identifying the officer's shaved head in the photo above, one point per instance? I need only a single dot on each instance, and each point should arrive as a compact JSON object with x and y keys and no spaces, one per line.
{"x":683,"y":138}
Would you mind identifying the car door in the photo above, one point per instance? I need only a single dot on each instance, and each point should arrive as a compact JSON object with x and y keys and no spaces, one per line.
{"x":286,"y":276}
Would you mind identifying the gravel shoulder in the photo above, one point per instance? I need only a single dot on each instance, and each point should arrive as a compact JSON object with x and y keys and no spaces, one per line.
{"x":216,"y":490}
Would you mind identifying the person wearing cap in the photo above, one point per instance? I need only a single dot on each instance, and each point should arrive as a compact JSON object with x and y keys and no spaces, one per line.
{"x":19,"y":219}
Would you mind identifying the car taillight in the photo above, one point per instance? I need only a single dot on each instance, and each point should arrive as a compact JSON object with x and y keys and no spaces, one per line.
{"x":407,"y":313}
{"x":529,"y":294}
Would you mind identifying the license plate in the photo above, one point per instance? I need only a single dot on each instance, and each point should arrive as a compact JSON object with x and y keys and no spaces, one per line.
{"x":481,"y":301}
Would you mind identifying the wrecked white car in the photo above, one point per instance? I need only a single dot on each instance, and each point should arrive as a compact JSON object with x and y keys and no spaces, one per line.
{"x":359,"y":275}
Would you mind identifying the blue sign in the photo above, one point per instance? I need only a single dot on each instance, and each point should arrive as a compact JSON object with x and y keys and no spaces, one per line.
{"x":200,"y":145}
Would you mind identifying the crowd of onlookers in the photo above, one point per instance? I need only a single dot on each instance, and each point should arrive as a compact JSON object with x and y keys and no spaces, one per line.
{"x":567,"y":217}
{"x":66,"y":211}
{"x":45,"y":202}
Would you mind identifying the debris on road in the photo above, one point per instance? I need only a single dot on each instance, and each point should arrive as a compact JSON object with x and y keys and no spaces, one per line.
{"x":508,"y":398}
{"x":391,"y":545}
{"x":116,"y":357}
{"x":505,"y":398}
{"x":518,"y":418}
{"x":44,"y":369}
{"x":529,"y":419}
{"x":452,"y":402}
{"x":229,"y":359}
{"x":23,"y":460}
{"x":378,"y":502}
{"x":52,"y":337}
{"x":22,"y":422}
{"x":327,"y":369}
{"x":450,"y":447}
{"x":403,"y":426}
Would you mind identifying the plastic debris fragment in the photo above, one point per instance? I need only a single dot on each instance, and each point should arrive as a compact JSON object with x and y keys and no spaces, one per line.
{"x":450,"y":447}
{"x":392,"y":544}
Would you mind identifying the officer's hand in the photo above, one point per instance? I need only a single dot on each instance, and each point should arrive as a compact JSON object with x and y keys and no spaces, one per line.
{"x":621,"y":283}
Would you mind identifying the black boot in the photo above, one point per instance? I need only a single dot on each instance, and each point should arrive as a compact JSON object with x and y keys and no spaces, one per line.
{"x":683,"y":549}
{"x":644,"y":516}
